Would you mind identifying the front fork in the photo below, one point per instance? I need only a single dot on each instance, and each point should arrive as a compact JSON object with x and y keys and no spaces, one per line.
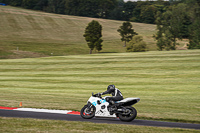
{"x":90,"y":107}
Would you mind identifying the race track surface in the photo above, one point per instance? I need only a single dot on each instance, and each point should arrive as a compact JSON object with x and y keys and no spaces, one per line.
{"x":69,"y":117}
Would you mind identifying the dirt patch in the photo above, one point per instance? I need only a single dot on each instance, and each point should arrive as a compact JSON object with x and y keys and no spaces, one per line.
{"x":183,"y":47}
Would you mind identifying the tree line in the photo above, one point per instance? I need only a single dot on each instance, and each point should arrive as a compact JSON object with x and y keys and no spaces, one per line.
{"x":141,"y":11}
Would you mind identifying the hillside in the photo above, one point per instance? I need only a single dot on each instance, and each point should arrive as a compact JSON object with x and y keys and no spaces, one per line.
{"x":28,"y":33}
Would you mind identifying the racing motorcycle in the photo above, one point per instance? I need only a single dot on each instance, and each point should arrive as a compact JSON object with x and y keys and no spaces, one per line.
{"x":99,"y":107}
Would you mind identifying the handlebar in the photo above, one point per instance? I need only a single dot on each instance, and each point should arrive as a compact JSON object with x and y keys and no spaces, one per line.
{"x":97,"y":95}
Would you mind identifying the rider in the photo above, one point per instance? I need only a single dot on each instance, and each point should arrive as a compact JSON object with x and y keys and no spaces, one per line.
{"x":116,"y":94}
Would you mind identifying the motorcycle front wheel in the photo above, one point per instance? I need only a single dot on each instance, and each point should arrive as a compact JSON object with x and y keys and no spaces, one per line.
{"x":87,"y":112}
{"x":128,"y":115}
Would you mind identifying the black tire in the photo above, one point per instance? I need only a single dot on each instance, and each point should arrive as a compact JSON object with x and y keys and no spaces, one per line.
{"x":131,"y":116}
{"x":87,"y":112}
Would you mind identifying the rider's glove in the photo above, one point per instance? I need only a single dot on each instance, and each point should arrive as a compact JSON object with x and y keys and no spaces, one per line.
{"x":99,"y":94}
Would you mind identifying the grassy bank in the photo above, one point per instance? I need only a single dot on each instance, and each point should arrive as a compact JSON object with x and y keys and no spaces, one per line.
{"x":27,"y":33}
{"x":167,"y":82}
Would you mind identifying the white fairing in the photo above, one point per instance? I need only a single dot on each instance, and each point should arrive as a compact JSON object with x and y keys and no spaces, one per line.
{"x":101,"y":107}
{"x":100,"y":110}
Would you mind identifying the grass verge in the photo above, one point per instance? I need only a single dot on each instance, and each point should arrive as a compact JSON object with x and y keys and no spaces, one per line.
{"x":55,"y":126}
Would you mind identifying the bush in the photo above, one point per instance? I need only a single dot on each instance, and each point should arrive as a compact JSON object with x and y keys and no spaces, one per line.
{"x":137,"y":45}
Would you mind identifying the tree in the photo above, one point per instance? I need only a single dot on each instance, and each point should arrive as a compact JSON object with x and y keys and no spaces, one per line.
{"x":163,"y":36}
{"x":128,"y":10}
{"x":117,"y":14}
{"x":148,"y":13}
{"x":177,"y":22}
{"x":105,"y":7}
{"x":87,"y":8}
{"x":29,"y":4}
{"x":41,"y":5}
{"x":56,"y":6}
{"x":16,"y":2}
{"x":137,"y":44}
{"x":90,"y":8}
{"x":126,"y":32}
{"x":93,"y":34}
{"x":194,"y":39}
{"x":171,"y":25}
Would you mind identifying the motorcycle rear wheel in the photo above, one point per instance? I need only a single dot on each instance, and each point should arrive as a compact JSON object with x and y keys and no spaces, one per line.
{"x":87,"y":112}
{"x":128,"y":117}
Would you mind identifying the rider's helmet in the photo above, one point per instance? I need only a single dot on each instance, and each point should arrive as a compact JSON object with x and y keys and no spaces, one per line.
{"x":111,"y":88}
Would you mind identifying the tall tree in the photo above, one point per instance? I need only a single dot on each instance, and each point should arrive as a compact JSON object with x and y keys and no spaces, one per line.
{"x":126,"y":32}
{"x":175,"y":22}
{"x":15,"y":2}
{"x":171,"y":27}
{"x":128,"y":10}
{"x":148,"y":13}
{"x":87,"y":8}
{"x":56,"y":6}
{"x":194,"y":39}
{"x":41,"y":5}
{"x":29,"y":4}
{"x":93,"y":34}
{"x":105,"y":7}
{"x":159,"y":35}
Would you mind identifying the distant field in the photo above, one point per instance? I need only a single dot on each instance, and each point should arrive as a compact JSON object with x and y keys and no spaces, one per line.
{"x":27,"y":33}
{"x":166,"y":81}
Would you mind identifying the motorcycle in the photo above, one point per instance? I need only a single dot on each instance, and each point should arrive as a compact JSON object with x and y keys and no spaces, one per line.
{"x":99,"y":107}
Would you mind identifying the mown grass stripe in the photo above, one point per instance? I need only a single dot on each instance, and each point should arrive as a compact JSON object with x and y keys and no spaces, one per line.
{"x":167,"y":82}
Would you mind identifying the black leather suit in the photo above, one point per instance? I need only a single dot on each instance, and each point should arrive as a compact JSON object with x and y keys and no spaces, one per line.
{"x":116,"y":95}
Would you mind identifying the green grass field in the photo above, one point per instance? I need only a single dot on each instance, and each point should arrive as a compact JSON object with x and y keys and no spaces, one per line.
{"x":167,"y":82}
{"x":27,"y":33}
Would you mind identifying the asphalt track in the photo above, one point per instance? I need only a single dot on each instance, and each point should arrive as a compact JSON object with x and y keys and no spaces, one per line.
{"x":69,"y":117}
